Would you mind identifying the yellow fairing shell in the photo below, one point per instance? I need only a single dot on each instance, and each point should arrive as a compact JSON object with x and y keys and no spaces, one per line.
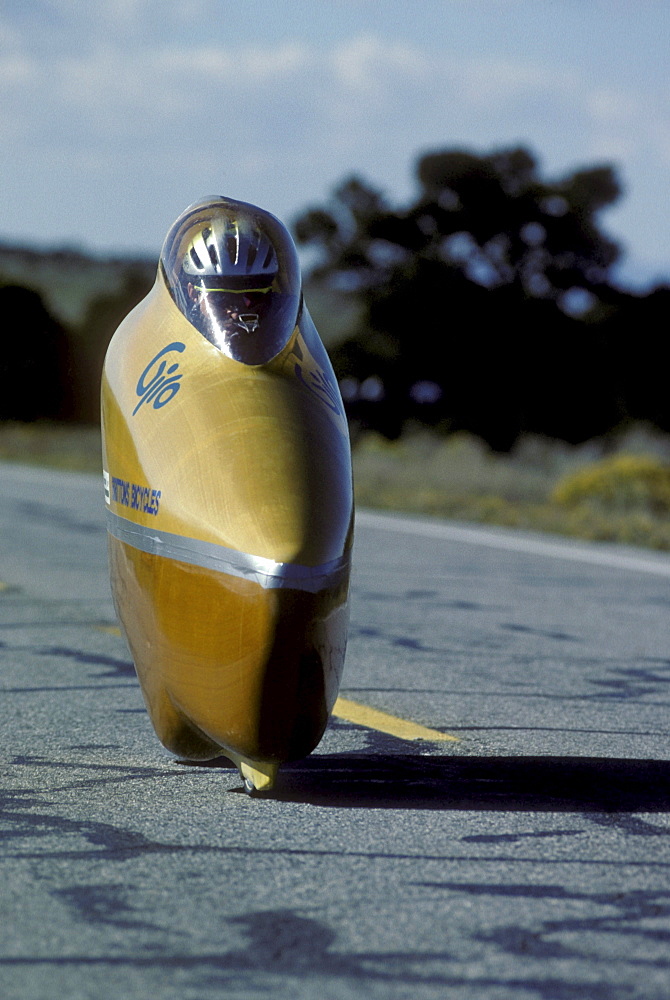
{"x":230,"y":526}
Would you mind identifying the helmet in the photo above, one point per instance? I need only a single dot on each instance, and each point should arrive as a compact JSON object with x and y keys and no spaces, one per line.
{"x":232,"y":269}
{"x":234,"y":249}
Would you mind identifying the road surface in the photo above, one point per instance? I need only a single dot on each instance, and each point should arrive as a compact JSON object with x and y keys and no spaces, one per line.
{"x":528,"y":858}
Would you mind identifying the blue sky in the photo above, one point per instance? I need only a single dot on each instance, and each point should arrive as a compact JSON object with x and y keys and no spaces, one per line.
{"x":115,"y":116}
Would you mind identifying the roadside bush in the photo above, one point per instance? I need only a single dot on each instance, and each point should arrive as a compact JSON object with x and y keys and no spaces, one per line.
{"x":621,"y":482}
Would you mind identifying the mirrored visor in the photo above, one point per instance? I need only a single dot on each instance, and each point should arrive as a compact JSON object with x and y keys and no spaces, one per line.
{"x":233,"y":271}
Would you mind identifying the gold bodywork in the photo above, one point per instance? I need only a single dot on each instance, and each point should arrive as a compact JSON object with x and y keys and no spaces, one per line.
{"x":205,"y":454}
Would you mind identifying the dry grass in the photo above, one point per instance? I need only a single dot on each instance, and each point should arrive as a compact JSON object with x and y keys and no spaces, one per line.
{"x":71,"y":447}
{"x":459,"y":477}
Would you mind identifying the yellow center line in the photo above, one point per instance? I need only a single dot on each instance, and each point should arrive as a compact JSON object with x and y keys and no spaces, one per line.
{"x":363,"y":715}
{"x":372,"y":718}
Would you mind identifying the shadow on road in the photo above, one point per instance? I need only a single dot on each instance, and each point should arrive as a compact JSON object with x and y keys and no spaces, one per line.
{"x":534,"y":784}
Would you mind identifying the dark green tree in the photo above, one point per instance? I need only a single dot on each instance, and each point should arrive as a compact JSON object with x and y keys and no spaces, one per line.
{"x":476,"y":298}
{"x":34,"y":363}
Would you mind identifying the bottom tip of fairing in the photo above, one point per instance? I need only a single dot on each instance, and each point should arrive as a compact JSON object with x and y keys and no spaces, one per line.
{"x":257,"y":776}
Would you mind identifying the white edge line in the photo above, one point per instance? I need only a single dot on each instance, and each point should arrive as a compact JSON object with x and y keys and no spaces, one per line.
{"x":659,"y":566}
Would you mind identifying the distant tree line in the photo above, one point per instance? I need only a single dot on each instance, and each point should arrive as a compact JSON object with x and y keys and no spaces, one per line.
{"x":487,"y":303}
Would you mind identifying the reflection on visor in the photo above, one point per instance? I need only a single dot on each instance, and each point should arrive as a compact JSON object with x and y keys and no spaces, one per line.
{"x":233,"y":271}
{"x":222,"y":315}
{"x":248,"y":321}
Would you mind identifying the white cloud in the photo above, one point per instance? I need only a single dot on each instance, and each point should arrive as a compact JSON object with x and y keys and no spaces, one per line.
{"x":495,"y":82}
{"x":366,"y":64}
{"x":246,"y":67}
{"x":16,"y":70}
{"x":613,"y":106}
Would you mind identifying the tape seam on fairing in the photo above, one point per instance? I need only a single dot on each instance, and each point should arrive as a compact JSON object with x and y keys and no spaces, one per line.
{"x":208,"y":555}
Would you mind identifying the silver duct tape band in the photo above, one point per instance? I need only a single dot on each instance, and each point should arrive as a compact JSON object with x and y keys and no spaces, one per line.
{"x":266,"y":572}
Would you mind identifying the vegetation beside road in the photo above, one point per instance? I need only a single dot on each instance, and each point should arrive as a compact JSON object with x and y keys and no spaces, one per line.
{"x":71,"y":447}
{"x":602,"y":490}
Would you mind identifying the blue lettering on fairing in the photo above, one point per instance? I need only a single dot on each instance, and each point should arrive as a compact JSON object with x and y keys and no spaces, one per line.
{"x":134,"y":496}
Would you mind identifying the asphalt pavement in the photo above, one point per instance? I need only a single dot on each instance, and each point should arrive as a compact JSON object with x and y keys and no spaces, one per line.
{"x":530,"y":858}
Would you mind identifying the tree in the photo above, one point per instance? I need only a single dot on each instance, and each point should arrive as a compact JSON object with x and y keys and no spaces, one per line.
{"x":488,"y":269}
{"x":34,"y":366}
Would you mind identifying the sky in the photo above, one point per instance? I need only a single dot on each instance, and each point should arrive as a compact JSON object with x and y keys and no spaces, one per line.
{"x":114,"y":116}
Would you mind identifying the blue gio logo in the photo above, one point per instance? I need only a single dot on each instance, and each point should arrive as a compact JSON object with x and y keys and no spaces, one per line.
{"x":158,"y":384}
